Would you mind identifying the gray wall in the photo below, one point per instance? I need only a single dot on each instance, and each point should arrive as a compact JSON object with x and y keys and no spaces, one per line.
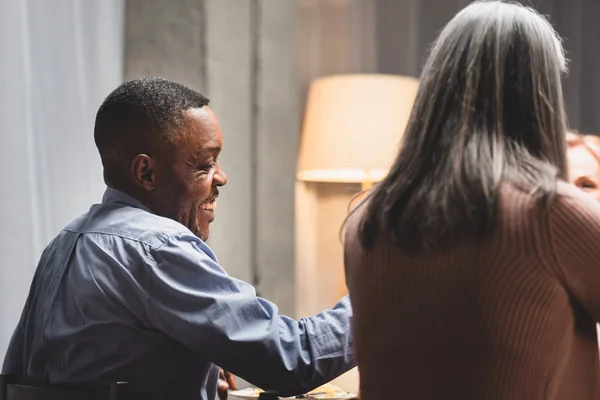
{"x":243,"y":55}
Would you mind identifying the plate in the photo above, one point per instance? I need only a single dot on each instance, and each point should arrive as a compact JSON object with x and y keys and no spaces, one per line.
{"x":250,"y":393}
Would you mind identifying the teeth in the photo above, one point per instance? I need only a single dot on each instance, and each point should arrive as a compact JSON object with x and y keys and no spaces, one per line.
{"x":209,"y":206}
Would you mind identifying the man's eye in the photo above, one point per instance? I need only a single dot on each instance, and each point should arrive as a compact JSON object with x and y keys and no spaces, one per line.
{"x":587,"y":184}
{"x":207,"y":167}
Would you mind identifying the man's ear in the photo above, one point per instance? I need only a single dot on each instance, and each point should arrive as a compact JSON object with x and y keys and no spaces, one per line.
{"x":143,"y":172}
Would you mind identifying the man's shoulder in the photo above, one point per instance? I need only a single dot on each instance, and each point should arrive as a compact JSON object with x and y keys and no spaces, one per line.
{"x":127,"y":223}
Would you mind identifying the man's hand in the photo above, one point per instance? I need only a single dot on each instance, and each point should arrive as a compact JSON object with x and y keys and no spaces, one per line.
{"x":226,"y":382}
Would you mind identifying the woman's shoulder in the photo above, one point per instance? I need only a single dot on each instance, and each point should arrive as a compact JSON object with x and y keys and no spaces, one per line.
{"x":568,"y":216}
{"x":354,"y":220}
{"x":574,"y":214}
{"x":568,"y":199}
{"x":573,"y":201}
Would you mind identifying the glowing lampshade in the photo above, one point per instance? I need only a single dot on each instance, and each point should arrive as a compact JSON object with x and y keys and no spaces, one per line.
{"x":353,"y":127}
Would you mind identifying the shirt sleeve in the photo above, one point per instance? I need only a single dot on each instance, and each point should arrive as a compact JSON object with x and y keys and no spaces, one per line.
{"x":193,"y":300}
{"x":14,"y":360}
{"x":574,"y":228}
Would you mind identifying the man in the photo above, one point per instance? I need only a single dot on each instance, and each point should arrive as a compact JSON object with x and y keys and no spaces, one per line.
{"x":131,"y":292}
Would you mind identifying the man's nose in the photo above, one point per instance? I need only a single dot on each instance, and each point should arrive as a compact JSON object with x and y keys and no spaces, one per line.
{"x":220,"y":178}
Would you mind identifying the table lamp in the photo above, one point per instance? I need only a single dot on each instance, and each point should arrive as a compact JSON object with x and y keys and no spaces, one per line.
{"x":353,"y":127}
{"x":352,"y":130}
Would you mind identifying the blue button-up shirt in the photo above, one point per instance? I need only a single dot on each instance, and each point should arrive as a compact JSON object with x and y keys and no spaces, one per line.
{"x":122,"y":294}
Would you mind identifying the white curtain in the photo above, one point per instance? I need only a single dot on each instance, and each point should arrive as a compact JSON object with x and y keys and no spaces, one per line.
{"x":58,"y":60}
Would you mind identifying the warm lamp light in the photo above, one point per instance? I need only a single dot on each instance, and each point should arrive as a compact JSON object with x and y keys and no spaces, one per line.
{"x":353,"y":127}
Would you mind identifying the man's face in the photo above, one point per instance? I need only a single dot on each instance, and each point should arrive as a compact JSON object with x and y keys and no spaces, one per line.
{"x":188,"y":174}
{"x":584,"y":170}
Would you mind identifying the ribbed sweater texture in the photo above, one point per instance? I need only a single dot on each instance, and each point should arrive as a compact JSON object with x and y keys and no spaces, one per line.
{"x":509,"y":317}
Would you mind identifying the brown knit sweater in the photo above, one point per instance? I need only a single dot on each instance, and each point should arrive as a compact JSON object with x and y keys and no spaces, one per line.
{"x":512,"y":318}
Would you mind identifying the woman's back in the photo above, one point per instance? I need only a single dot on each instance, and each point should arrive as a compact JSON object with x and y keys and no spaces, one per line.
{"x":473,"y":273}
{"x":508,"y":317}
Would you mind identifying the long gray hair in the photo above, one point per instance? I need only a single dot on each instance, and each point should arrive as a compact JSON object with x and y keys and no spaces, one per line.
{"x":489,"y":110}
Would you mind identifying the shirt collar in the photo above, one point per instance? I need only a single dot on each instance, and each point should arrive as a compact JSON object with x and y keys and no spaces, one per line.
{"x":112,"y":195}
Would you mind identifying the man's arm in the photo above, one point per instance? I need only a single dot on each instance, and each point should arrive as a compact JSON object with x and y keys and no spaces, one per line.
{"x":192,"y":299}
{"x":14,"y":360}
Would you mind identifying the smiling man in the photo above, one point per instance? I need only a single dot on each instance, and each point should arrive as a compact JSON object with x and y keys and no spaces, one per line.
{"x":131,"y":292}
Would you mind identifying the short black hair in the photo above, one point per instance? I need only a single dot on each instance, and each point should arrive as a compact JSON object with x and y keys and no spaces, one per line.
{"x":138,"y":117}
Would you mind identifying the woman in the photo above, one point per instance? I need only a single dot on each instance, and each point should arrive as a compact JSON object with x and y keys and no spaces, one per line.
{"x":584,"y":163}
{"x":473,"y":267}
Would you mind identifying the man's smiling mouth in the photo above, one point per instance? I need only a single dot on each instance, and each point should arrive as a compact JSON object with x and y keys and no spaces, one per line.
{"x":209,"y":205}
